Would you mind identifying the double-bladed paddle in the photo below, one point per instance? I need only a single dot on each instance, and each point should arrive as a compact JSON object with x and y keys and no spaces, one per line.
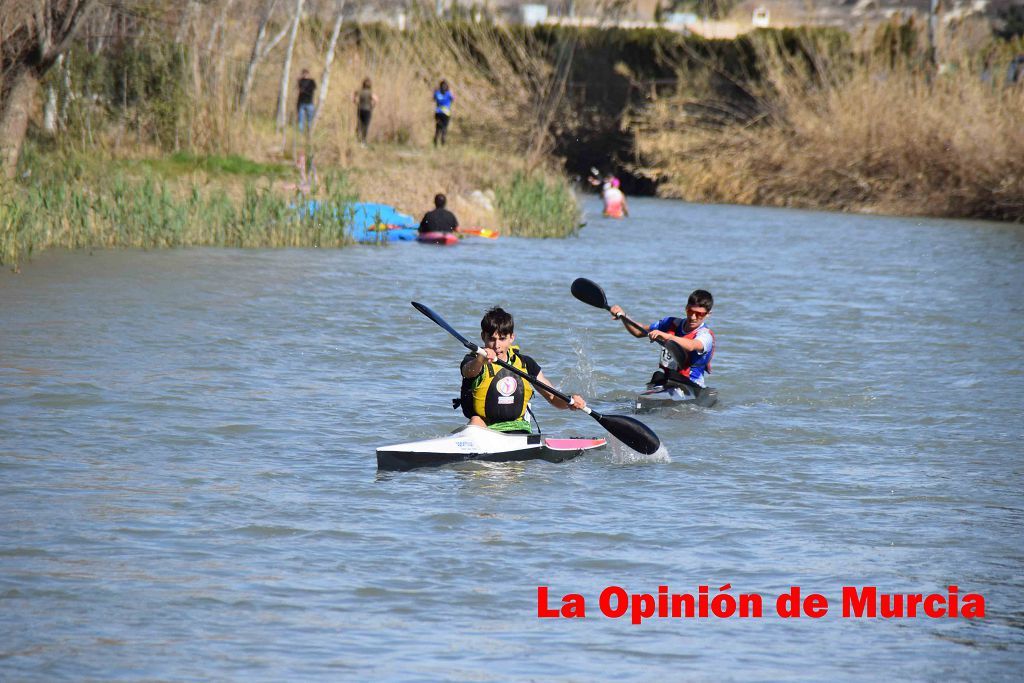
{"x":628,"y":430}
{"x":589,"y":292}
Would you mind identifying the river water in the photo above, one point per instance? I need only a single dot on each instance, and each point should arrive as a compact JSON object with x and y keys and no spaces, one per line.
{"x":188,"y":486}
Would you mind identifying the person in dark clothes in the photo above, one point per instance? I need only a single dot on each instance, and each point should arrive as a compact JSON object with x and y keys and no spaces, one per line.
{"x":1015,"y":72}
{"x":365,"y":102}
{"x":440,"y":219}
{"x":307,"y":86}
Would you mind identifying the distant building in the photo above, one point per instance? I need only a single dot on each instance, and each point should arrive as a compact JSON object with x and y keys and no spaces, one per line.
{"x":532,"y":14}
{"x":760,"y":17}
{"x":680,"y":18}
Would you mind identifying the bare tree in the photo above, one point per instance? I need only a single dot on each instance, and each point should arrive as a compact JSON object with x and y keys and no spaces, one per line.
{"x":282,"y":99}
{"x":259,"y":51}
{"x":50,"y":107}
{"x":101,"y":37}
{"x":186,"y":21}
{"x":215,"y":56}
{"x":218,"y":25}
{"x":33,"y":34}
{"x":325,"y":80}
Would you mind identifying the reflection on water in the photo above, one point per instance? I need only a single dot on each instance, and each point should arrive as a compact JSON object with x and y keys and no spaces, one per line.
{"x":189,"y":487}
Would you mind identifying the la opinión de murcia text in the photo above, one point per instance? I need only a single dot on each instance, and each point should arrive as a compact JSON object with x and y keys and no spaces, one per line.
{"x":858,"y":602}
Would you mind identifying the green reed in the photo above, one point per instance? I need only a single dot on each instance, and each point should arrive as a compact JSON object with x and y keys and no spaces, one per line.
{"x":534,"y":206}
{"x":146,"y":212}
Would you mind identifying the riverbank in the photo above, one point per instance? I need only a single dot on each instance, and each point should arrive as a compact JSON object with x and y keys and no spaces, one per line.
{"x":797,"y":118}
{"x":79,"y":200}
{"x":147,"y":141}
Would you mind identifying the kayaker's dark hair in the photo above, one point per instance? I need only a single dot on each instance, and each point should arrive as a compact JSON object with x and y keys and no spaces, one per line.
{"x":440,"y":200}
{"x":702,"y":298}
{"x":497,"y":320}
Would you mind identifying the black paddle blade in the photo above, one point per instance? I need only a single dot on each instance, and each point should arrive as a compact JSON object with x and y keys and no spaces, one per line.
{"x":426,"y":310}
{"x":589,"y":292}
{"x":631,"y":432}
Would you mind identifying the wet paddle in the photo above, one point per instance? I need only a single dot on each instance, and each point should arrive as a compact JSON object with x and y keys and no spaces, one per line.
{"x":628,"y":430}
{"x":589,"y":292}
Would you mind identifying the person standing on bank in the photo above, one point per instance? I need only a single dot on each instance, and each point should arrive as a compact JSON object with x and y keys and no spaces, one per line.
{"x":306,"y":108}
{"x":365,"y":101}
{"x":440,"y":219}
{"x":443,"y":99}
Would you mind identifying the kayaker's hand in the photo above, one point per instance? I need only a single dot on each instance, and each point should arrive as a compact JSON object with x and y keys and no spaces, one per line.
{"x":655,"y":335}
{"x":577,"y":403}
{"x":492,"y":355}
{"x":616,"y":311}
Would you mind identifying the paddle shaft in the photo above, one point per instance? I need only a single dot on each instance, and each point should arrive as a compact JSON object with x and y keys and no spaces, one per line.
{"x":427,"y":311}
{"x":629,"y":321}
{"x":590,"y":293}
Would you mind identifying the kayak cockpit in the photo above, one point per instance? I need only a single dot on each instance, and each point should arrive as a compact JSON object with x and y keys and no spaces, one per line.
{"x":674,"y":395}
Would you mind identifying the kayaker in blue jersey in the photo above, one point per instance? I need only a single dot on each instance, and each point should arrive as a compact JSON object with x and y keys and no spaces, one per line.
{"x":443,"y":99}
{"x":493,"y":396}
{"x":691,"y":333}
{"x":440,"y":219}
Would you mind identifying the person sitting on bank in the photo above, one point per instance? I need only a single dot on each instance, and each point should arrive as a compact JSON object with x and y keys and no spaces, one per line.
{"x":440,"y":219}
{"x":691,"y":333}
{"x":495,"y":397}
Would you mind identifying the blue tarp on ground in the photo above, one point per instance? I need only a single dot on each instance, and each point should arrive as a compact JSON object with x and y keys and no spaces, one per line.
{"x":363,"y":218}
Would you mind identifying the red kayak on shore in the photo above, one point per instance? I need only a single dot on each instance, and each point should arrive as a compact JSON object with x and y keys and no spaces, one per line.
{"x":441,"y":238}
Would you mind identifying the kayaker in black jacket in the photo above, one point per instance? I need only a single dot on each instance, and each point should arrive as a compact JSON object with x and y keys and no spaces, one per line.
{"x":440,"y":219}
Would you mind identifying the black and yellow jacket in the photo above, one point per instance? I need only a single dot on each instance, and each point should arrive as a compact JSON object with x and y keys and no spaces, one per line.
{"x":498,"y":395}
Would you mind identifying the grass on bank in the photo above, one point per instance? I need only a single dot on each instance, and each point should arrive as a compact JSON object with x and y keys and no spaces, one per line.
{"x":534,"y":206}
{"x":181,"y":163}
{"x":82,"y":209}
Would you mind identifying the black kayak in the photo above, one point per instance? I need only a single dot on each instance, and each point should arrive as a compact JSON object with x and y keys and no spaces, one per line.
{"x":660,"y":397}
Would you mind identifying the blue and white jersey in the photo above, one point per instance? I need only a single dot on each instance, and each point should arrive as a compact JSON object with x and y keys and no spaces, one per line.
{"x":699,"y":362}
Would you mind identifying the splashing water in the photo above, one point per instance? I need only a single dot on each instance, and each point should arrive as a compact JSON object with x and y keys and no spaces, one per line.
{"x":620,"y":454}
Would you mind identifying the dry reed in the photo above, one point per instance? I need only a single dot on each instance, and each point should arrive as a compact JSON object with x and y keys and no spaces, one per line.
{"x":851,"y":136}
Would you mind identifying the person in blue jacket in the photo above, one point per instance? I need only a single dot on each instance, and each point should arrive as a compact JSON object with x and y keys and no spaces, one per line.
{"x":443,"y":99}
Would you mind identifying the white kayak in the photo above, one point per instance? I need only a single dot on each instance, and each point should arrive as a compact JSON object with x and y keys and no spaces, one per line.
{"x":482,"y":444}
{"x":675,"y":396}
